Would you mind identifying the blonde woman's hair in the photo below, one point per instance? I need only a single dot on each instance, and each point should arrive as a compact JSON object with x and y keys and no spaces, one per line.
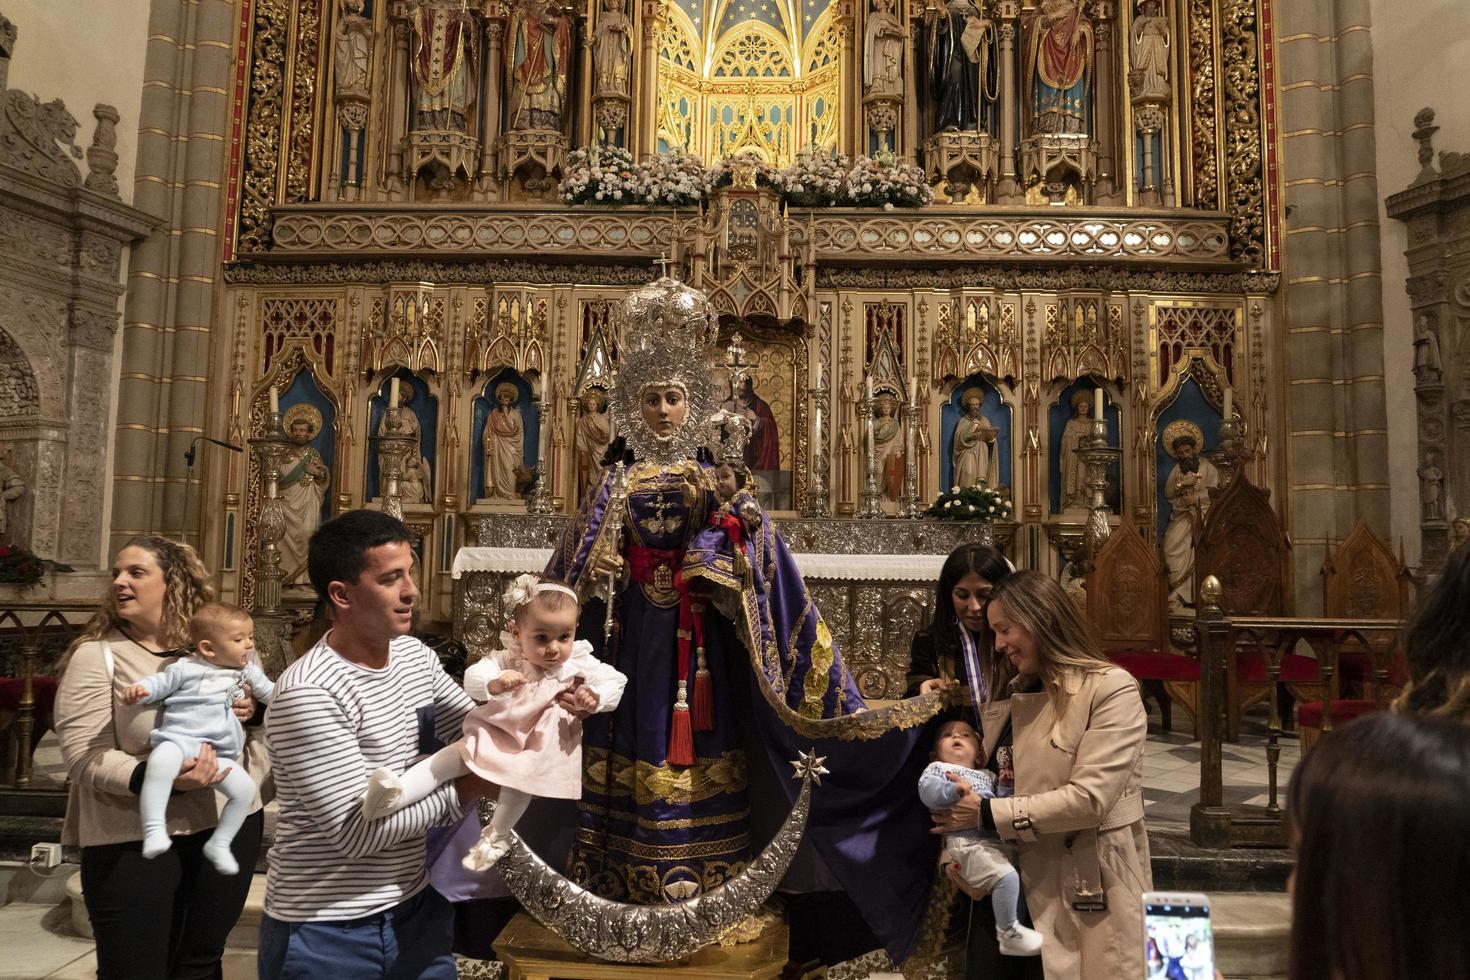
{"x":186,"y":588}
{"x":1064,"y":645}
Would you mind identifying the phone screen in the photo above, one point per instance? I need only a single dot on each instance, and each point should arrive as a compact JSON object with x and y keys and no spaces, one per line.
{"x":1178,"y":943}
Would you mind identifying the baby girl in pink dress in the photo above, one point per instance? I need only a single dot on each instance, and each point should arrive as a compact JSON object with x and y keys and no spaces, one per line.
{"x":526,"y":736}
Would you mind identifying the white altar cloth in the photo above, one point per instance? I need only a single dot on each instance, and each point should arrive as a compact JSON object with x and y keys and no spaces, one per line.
{"x":813,"y":567}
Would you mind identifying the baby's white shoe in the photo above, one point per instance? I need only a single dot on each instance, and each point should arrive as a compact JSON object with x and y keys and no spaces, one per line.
{"x":384,"y":790}
{"x":1019,"y":940}
{"x":489,"y":849}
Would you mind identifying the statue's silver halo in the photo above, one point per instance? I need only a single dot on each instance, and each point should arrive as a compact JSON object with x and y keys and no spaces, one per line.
{"x":624,"y":933}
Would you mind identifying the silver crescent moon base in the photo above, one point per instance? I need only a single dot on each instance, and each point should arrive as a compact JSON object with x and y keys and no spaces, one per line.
{"x":624,"y":933}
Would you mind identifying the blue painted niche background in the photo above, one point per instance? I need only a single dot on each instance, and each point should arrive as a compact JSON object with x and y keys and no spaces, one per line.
{"x":1190,"y":403}
{"x":423,"y":404}
{"x":997,"y":412}
{"x":1057,"y":417}
{"x":484,"y":402}
{"x":303,"y":390}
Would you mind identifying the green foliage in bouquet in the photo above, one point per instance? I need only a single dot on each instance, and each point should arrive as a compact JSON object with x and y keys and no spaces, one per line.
{"x":21,"y":567}
{"x":976,"y":503}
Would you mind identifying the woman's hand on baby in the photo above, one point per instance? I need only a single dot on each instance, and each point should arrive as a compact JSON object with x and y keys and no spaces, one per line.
{"x":933,"y":684}
{"x":508,"y":681}
{"x":953,"y":871}
{"x":964,"y":815}
{"x":132,"y":694}
{"x":244,"y":708}
{"x":201,"y":771}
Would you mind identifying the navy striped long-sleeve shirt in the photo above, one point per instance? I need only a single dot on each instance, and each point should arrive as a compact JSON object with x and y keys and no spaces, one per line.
{"x":330,"y":724}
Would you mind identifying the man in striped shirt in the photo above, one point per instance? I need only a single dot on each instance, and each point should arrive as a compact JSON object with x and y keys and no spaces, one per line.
{"x":345,"y":896}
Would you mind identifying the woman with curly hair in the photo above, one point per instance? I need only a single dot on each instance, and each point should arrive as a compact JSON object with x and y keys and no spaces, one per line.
{"x":167,"y":916}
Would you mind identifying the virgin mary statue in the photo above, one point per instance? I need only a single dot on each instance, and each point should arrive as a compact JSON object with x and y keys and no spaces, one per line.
{"x":731,"y":668}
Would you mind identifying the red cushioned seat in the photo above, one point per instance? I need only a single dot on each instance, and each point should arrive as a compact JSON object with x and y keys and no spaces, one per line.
{"x":1156,"y":665}
{"x":42,"y":688}
{"x":1309,"y":714}
{"x":1250,"y":668}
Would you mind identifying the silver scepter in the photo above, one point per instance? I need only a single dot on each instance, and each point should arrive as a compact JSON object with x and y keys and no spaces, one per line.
{"x":617,"y":503}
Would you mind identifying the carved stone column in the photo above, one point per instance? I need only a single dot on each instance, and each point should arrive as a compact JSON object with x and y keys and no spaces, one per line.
{"x":494,"y":75}
{"x":1009,"y":190}
{"x":645,"y":96}
{"x":398,"y":69}
{"x":1105,"y":101}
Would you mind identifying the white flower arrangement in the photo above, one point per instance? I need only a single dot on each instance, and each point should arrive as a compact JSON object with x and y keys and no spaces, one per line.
{"x":607,"y":175}
{"x":881,"y":181}
{"x":975,"y":503}
{"x":815,"y":179}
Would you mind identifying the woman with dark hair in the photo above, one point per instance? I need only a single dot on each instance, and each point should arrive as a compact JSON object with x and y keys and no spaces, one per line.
{"x":957,"y":634}
{"x":166,"y":916}
{"x":1396,"y":788}
{"x":1438,"y":646}
{"x":940,"y":659}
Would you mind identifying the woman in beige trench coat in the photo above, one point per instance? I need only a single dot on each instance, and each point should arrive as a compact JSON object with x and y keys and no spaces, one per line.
{"x":1076,"y":725}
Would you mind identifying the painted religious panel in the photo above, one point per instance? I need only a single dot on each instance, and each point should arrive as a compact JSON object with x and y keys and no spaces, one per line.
{"x":419,"y":414}
{"x":766,"y":400}
{"x":1069,"y":420}
{"x":975,"y":430}
{"x":305,"y":477}
{"x":593,"y":432}
{"x":504,"y":436}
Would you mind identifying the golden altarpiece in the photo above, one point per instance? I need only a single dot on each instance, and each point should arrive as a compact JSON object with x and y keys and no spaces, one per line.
{"x":431,"y":324}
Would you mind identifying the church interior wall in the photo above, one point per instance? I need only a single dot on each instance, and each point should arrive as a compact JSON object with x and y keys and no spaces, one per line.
{"x":1403,"y":35}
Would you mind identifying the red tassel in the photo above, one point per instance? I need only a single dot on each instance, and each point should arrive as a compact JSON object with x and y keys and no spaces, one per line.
{"x":681,"y":736}
{"x":704,"y":698}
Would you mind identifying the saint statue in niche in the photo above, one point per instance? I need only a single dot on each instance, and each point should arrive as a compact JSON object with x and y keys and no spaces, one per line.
{"x":302,"y":482}
{"x":883,"y":52}
{"x":612,"y":50}
{"x":1074,"y":474}
{"x":12,"y":488}
{"x":1059,"y":64}
{"x":888,"y":446}
{"x":443,"y":60}
{"x":973,"y":452}
{"x":1150,"y":35}
{"x":421,"y":490}
{"x":594,"y":429}
{"x":959,"y":47}
{"x":354,"y":52}
{"x":505,"y":445}
{"x":541,"y":54}
{"x":1188,"y":492}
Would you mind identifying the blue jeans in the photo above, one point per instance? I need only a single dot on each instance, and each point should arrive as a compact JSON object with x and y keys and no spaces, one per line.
{"x":412,"y":940}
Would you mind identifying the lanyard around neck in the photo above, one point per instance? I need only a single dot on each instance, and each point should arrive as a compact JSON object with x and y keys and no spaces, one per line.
{"x":979,"y":685}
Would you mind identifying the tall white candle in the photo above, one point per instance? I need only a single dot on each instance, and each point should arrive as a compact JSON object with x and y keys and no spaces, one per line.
{"x":913,"y":391}
{"x":819,"y":373}
{"x":1097,"y":403}
{"x":1229,"y":403}
{"x":870,"y":387}
{"x":275,"y":401}
{"x":393,"y":393}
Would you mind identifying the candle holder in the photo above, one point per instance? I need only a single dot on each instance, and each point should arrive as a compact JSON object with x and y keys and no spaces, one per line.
{"x":1097,"y":456}
{"x":818,"y":498}
{"x":870,"y":502}
{"x":394,"y":444}
{"x":908,"y":500}
{"x":1232,"y":453}
{"x":539,"y":502}
{"x":269,"y":449}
